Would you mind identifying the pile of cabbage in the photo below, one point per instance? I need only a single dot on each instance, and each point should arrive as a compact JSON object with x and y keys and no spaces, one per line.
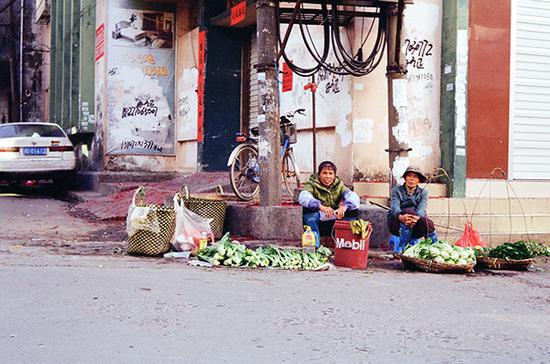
{"x":441,"y":252}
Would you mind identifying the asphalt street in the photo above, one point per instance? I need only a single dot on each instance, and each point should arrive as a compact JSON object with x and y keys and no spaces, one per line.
{"x":69,"y":295}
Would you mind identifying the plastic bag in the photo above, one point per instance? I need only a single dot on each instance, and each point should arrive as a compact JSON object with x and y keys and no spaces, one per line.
{"x":470,"y":237}
{"x":190,"y":227}
{"x":142,"y":218}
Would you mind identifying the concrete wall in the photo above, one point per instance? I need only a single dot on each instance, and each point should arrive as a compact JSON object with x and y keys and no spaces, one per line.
{"x":186,"y":94}
{"x":97,"y":147}
{"x":135,"y":76}
{"x":370,"y":121}
{"x":333,"y":109}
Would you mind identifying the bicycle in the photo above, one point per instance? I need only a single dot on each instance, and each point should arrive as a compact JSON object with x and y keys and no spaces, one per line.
{"x":244,"y":169}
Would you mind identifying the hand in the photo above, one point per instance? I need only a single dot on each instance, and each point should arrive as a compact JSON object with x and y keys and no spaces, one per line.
{"x":328,"y":211}
{"x":408,"y":219}
{"x":413,"y":220}
{"x":341,"y":211}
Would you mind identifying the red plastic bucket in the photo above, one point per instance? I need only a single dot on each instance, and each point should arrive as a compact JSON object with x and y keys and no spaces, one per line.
{"x":349,"y":249}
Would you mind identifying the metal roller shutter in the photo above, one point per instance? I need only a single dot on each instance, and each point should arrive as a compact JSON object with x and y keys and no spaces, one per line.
{"x":253,"y":80}
{"x":530,"y":90}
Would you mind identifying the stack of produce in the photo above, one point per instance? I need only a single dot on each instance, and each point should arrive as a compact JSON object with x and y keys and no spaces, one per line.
{"x":519,"y":250}
{"x":233,"y":254}
{"x":538,"y":249}
{"x":441,"y":252}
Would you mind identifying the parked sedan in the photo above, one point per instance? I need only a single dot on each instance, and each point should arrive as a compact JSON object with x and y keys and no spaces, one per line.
{"x":33,"y":151}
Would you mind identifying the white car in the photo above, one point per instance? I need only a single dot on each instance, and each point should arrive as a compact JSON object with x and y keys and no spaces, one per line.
{"x":33,"y":151}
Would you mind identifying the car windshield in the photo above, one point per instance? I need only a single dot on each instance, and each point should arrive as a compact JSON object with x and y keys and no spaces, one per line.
{"x":30,"y":130}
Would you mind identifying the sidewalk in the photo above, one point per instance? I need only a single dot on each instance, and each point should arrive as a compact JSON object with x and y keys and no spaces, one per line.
{"x":114,"y":206}
{"x":281,"y":224}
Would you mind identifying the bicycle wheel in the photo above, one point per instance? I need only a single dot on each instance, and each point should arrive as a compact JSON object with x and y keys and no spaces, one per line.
{"x":245,"y":173}
{"x":291,"y":174}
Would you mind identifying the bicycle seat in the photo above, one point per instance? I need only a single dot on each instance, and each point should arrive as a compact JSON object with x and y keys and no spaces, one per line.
{"x":255,"y":131}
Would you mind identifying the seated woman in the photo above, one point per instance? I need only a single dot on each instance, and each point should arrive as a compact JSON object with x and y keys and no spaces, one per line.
{"x":325,"y":199}
{"x":407,"y":218}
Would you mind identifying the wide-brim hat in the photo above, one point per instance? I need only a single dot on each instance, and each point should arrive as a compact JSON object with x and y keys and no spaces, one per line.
{"x":416,"y":170}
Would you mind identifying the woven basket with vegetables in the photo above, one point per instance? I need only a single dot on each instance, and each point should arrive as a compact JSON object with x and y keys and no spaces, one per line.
{"x":511,"y":256}
{"x":438,"y":257}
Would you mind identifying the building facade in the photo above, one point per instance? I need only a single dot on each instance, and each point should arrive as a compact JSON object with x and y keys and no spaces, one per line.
{"x":24,"y":61}
{"x":164,"y":86}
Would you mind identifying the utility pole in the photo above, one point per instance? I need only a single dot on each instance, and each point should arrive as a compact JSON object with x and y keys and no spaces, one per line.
{"x":396,"y":73}
{"x":268,"y":109}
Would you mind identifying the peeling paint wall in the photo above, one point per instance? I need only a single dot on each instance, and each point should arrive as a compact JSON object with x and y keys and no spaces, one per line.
{"x":186,"y":96}
{"x":370,"y":120}
{"x":135,"y":86}
{"x":97,"y":145}
{"x":333,"y":110}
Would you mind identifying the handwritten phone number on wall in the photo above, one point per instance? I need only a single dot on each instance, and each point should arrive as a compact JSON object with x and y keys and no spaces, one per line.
{"x":143,"y":144}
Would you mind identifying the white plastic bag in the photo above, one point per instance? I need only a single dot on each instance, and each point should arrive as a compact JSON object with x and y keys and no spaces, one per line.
{"x":142,"y":218}
{"x":190,"y":227}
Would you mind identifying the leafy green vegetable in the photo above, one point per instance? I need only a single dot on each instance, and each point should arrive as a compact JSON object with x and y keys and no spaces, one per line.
{"x":233,"y":254}
{"x":519,"y":250}
{"x":440,"y":252}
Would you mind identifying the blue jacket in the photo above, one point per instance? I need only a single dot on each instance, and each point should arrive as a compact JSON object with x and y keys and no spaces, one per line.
{"x":401,"y":200}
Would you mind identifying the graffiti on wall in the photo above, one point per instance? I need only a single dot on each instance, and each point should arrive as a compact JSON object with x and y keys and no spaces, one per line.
{"x":422,"y":52}
{"x":416,"y":51}
{"x":188,"y":101}
{"x":141,"y":79}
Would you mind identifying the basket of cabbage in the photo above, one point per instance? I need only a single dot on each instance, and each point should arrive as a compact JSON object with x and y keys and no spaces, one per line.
{"x":438,"y":257}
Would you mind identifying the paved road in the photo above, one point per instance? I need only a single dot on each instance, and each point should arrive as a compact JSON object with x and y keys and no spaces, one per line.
{"x":61,"y":304}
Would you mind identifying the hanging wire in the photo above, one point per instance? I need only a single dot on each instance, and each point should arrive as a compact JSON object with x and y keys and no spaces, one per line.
{"x":347,"y":64}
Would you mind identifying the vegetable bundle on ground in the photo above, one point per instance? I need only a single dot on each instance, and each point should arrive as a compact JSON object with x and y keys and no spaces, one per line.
{"x":233,"y":254}
{"x":519,"y":250}
{"x":441,"y":252}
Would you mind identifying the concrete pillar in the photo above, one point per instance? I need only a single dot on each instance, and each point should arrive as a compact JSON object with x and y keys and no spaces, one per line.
{"x":268,"y":113}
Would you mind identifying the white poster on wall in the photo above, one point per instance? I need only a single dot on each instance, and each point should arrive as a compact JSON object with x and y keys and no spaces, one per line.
{"x":140,"y":81}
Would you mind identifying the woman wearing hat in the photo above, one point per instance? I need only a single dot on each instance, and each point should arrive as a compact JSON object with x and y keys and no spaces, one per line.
{"x":407,"y":218}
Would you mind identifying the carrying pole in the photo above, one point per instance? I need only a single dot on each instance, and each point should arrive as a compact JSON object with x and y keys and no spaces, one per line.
{"x":268,"y":109}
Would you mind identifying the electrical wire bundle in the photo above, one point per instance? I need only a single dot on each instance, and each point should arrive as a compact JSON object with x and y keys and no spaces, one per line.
{"x":348,"y":61}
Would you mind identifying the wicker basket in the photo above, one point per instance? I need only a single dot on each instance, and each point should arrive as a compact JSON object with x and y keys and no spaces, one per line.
{"x":506,"y":264}
{"x":430,"y":266}
{"x":212,"y":207}
{"x":145,"y":242}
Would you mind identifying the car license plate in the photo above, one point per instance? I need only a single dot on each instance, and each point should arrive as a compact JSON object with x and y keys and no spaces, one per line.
{"x":35,"y":151}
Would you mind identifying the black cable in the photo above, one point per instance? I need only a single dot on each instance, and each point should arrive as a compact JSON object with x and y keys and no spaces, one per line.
{"x":347,"y":64}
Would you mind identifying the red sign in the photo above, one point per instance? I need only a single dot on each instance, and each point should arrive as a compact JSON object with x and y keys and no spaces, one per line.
{"x":238,"y":13}
{"x":287,"y":78}
{"x":100,"y":42}
{"x":200,"y":86}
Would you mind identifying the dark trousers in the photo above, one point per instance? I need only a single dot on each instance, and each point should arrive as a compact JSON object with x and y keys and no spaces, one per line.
{"x":323,"y":228}
{"x":423,"y":227}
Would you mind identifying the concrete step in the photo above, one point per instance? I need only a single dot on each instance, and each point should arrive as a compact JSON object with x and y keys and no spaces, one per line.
{"x":516,"y":224}
{"x":496,"y":239}
{"x":93,"y":180}
{"x":285,"y":223}
{"x":486,"y":206}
